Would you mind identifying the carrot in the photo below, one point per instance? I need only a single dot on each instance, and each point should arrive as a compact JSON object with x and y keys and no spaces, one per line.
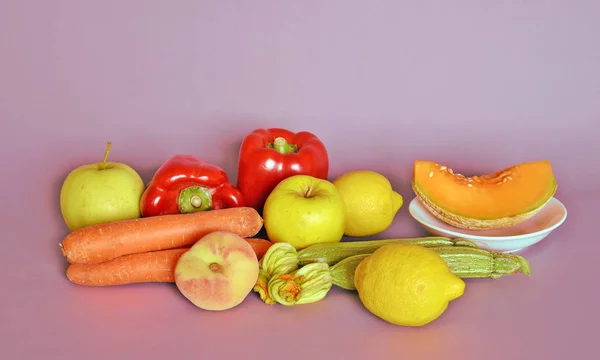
{"x":260,"y":246}
{"x":153,"y":266}
{"x":147,"y":267}
{"x":102,"y":242}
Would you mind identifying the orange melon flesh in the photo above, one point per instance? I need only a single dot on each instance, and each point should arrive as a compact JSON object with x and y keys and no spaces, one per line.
{"x":495,"y":200}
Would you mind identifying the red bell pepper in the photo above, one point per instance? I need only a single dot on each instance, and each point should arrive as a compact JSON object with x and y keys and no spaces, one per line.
{"x":186,"y":184}
{"x":268,"y":156}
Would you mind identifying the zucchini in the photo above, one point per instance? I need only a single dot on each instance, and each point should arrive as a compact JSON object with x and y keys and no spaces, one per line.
{"x":464,"y":262}
{"x":332,"y":253}
{"x":288,"y":276}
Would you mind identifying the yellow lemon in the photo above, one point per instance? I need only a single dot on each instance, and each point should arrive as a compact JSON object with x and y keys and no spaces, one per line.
{"x":406,"y":284}
{"x":371,"y":203}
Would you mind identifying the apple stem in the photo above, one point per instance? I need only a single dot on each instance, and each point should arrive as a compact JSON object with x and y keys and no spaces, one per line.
{"x":282,"y":146}
{"x":308,"y":192}
{"x":108,"y":145}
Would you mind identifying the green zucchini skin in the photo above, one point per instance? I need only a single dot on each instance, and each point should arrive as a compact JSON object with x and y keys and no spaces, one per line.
{"x":466,"y":262}
{"x":332,"y":253}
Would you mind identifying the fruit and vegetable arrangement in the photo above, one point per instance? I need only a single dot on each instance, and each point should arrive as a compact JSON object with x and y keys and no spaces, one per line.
{"x":192,"y":226}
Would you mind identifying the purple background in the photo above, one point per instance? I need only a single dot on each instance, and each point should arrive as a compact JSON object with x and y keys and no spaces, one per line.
{"x":478,"y":85}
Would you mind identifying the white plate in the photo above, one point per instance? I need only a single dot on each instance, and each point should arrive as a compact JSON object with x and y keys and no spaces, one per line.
{"x":511,"y":239}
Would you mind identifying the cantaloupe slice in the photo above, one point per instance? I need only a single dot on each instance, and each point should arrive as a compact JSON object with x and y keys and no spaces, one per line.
{"x":491,"y":201}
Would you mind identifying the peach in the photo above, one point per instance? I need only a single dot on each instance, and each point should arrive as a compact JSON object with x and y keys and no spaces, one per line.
{"x":218,"y":271}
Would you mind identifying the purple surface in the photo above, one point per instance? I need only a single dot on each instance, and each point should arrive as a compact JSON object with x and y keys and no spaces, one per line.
{"x":476,"y":85}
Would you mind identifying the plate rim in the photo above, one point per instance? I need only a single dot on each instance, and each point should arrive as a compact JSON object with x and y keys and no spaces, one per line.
{"x":487,"y":237}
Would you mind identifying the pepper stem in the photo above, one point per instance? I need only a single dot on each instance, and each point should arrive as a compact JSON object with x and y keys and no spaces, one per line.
{"x":194,"y":199}
{"x":282,"y":146}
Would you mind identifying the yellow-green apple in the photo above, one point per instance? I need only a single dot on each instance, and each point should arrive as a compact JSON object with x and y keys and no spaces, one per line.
{"x":217,"y":272}
{"x":100,"y":192}
{"x":303,"y":210}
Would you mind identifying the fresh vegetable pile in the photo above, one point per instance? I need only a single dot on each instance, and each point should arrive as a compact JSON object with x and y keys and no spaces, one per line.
{"x":193,"y":227}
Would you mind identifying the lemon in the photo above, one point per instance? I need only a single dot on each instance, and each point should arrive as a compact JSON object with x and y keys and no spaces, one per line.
{"x":371,"y":203}
{"x":406,"y":284}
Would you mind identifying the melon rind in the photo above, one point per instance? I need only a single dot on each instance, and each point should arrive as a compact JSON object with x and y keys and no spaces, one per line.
{"x":466,"y":223}
{"x":472,"y":223}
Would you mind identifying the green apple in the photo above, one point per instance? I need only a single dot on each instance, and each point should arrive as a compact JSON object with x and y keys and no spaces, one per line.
{"x":99,"y":193}
{"x":303,"y":210}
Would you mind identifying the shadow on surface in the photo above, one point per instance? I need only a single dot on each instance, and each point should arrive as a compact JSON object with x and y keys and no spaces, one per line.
{"x":56,"y":217}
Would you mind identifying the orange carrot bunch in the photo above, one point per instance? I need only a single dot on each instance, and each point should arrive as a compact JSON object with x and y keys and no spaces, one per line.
{"x":147,"y":249}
